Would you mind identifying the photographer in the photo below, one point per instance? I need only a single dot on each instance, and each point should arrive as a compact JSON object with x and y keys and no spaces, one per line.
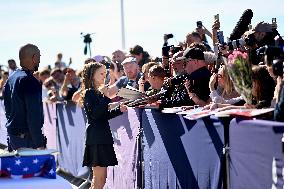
{"x":191,"y":88}
{"x":263,"y":34}
{"x":178,"y":65}
{"x":70,"y":84}
{"x":168,"y":52}
{"x":142,"y":57}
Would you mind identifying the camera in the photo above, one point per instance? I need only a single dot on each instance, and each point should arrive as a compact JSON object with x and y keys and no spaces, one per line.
{"x":267,"y":54}
{"x":272,"y":56}
{"x":170,"y":49}
{"x":249,"y":41}
{"x":199,"y":24}
{"x":216,"y":17}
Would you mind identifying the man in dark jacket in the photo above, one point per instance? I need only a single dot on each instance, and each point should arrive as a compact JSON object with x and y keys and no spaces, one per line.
{"x":23,"y":103}
{"x":191,"y":88}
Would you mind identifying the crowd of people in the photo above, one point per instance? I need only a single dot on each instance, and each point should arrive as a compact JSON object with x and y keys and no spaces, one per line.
{"x":189,"y":74}
{"x":193,"y":73}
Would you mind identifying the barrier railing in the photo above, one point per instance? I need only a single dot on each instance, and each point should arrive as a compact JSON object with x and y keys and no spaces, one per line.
{"x":176,"y":152}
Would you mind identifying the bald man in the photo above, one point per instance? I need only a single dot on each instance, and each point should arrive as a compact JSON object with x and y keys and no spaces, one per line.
{"x":23,"y":103}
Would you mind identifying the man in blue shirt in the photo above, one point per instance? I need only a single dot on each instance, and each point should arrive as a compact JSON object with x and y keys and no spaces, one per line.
{"x":131,"y":78}
{"x":23,"y":103}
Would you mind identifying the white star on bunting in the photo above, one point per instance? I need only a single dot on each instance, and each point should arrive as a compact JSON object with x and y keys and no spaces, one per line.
{"x":18,"y":162}
{"x":25,"y":169}
{"x":35,"y":161}
{"x":51,"y":172}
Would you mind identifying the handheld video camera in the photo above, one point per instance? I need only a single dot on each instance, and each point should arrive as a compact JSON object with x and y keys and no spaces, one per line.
{"x":168,"y":36}
{"x":249,"y":41}
{"x":170,"y":49}
{"x":199,"y":24}
{"x":272,"y":56}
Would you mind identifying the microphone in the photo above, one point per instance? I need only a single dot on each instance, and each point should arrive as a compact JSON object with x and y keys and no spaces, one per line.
{"x":242,"y":25}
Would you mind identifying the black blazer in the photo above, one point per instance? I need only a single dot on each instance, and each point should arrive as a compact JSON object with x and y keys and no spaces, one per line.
{"x":98,"y":114}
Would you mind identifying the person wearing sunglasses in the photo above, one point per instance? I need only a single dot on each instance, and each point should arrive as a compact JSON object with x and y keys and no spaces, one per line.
{"x":222,"y":90}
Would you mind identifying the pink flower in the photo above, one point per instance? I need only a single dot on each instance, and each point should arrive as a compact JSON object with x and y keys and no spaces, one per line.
{"x":245,"y":55}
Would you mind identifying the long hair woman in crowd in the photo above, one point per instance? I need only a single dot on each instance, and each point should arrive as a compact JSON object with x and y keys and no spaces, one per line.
{"x":262,"y":90}
{"x":99,"y":152}
{"x":224,"y":93}
{"x":263,"y":87}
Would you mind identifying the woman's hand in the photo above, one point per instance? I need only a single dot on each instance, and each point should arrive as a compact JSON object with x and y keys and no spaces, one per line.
{"x":212,"y":82}
{"x":123,"y":107}
{"x":211,"y":106}
{"x":104,"y":91}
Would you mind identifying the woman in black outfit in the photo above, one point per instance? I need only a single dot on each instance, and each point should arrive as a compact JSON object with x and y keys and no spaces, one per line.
{"x":99,"y":152}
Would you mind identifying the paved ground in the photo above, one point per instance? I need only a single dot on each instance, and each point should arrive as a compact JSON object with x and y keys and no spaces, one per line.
{"x":76,"y":182}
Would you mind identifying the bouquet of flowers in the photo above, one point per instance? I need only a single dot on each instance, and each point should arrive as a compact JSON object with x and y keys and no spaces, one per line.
{"x":240,"y":72}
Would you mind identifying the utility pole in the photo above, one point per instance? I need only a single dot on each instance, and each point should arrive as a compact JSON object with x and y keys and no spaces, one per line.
{"x":122,"y":25}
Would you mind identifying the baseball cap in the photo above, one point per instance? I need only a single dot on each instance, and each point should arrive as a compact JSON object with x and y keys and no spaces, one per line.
{"x":129,"y":60}
{"x":260,"y":27}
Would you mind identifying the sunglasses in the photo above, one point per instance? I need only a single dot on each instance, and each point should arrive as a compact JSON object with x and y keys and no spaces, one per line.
{"x":219,"y":76}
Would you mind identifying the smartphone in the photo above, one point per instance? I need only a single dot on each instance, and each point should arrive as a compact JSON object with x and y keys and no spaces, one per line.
{"x":216,"y":17}
{"x":199,"y":24}
{"x":220,"y":37}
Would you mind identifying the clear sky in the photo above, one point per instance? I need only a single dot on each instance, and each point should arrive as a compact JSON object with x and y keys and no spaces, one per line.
{"x":55,"y":26}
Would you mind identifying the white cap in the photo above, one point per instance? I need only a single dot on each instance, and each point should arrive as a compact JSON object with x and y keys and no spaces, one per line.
{"x":129,"y":60}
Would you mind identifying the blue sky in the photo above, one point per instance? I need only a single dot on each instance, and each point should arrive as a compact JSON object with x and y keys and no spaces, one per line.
{"x":55,"y":26}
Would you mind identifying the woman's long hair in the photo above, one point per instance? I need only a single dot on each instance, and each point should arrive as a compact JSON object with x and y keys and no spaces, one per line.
{"x":87,"y":79}
{"x":228,"y":84}
{"x":264,"y":83}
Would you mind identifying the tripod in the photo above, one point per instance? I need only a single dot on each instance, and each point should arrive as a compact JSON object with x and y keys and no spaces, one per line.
{"x":87,"y":41}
